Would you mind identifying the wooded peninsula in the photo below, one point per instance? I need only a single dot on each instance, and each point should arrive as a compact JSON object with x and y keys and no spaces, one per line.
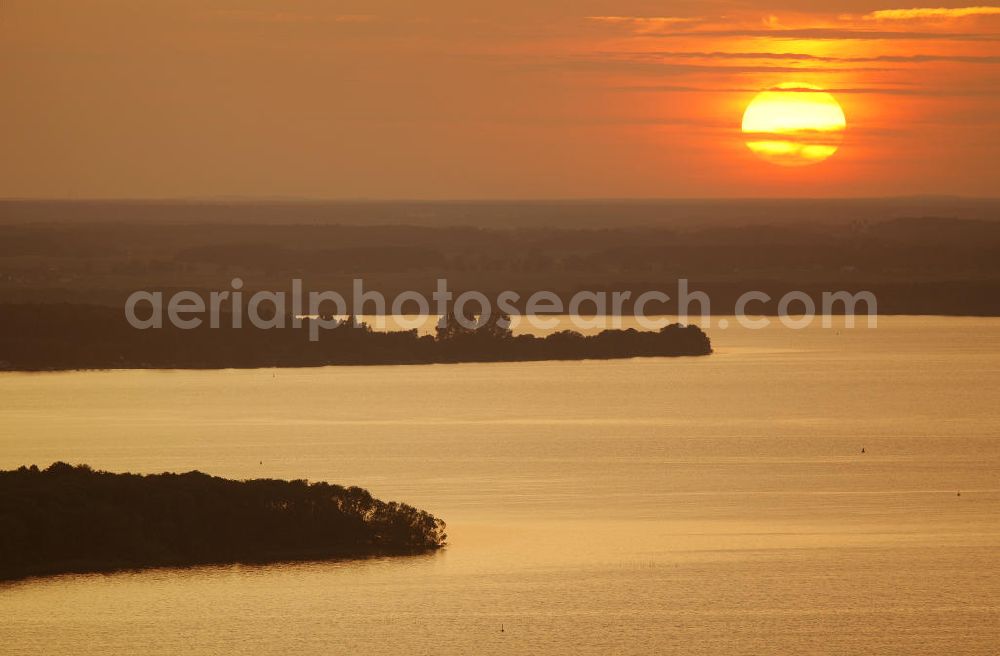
{"x":43,"y":337}
{"x":73,"y":519}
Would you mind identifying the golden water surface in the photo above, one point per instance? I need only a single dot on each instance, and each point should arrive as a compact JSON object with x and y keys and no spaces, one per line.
{"x":716,"y":505}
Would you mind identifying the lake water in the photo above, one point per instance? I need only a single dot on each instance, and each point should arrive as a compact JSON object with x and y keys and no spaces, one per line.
{"x":715,"y":505}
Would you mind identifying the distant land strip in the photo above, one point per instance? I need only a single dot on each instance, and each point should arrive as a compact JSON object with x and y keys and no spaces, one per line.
{"x":51,"y":337}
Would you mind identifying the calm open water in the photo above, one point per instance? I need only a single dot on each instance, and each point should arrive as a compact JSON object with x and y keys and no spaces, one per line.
{"x":715,"y":505}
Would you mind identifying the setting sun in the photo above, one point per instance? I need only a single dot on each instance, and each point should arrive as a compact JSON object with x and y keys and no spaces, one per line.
{"x":794,"y":124}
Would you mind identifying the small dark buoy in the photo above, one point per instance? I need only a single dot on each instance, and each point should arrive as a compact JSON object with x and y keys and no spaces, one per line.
{"x":862,"y":449}
{"x":501,"y":628}
{"x":959,"y":494}
{"x":262,"y":462}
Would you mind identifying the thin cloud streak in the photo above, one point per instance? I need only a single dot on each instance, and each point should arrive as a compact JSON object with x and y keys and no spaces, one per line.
{"x":928,"y":12}
{"x":798,"y":56}
{"x":892,"y":91}
{"x":663,"y":68}
{"x":829,"y":34}
{"x":652,"y":20}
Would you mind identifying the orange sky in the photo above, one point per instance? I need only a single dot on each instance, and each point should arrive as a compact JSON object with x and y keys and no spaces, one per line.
{"x":459,"y":99}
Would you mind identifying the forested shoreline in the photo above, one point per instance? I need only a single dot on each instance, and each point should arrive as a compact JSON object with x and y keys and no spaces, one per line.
{"x":73,"y":519}
{"x":67,"y":337}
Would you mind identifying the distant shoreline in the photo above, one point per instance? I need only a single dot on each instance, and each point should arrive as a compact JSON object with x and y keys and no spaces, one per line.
{"x":83,"y":337}
{"x":352,"y":365}
{"x":915,"y":256}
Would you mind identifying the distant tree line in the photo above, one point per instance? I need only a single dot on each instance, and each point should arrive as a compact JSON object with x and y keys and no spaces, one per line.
{"x":62,"y":336}
{"x":75,"y":519}
{"x":915,"y":264}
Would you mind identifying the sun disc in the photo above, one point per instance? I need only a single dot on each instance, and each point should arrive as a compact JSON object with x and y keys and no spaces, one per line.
{"x":794,"y":124}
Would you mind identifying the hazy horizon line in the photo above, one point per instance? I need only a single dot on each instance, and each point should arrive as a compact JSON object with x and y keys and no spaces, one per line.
{"x":485,"y":200}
